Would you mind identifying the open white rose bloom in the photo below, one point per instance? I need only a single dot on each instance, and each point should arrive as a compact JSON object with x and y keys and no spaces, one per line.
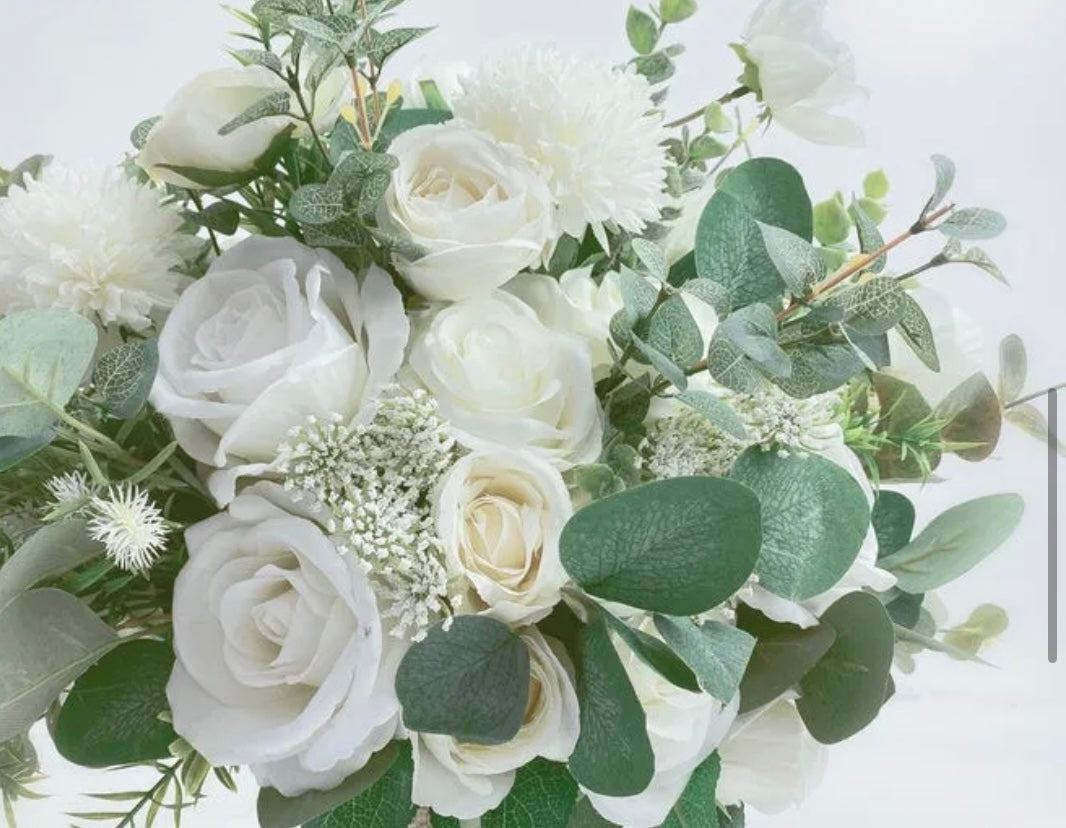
{"x":483,"y":448}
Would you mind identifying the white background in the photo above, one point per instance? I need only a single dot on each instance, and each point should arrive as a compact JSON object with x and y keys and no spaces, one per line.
{"x":980,"y":80}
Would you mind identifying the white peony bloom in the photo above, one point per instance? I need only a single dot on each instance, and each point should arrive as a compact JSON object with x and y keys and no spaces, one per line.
{"x":769,"y":760}
{"x":499,"y":516}
{"x":95,"y":243}
{"x":476,"y":207}
{"x":274,"y":332}
{"x":684,"y":728}
{"x":591,"y":128}
{"x":282,"y":664}
{"x":504,"y":380}
{"x":467,"y":780}
{"x":803,"y":71}
{"x":187,"y":134}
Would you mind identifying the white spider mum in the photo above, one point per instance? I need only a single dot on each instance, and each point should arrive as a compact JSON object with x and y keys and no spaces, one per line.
{"x":69,"y":491}
{"x":129,"y":525}
{"x":95,"y":243}
{"x":592,"y":129}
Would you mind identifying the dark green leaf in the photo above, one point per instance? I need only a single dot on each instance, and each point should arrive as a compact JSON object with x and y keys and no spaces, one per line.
{"x":223,"y":217}
{"x":269,"y":106}
{"x":697,"y":805}
{"x":543,"y":796}
{"x":470,"y":681}
{"x":317,"y":204}
{"x":401,"y":120}
{"x":654,"y":653}
{"x":585,"y":816}
{"x":893,"y":521}
{"x":387,"y":804}
{"x":13,"y":450}
{"x":905,"y":609}
{"x":753,"y":332}
{"x":716,"y":410}
{"x":139,"y":135}
{"x":870,"y":238}
{"x":124,"y":376}
{"x":661,"y":363}
{"x":915,"y":330}
{"x":656,"y":67}
{"x":902,"y":408}
{"x":678,"y":547}
{"x":717,"y":653}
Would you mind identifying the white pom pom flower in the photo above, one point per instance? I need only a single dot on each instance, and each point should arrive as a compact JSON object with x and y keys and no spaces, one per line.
{"x":592,"y":129}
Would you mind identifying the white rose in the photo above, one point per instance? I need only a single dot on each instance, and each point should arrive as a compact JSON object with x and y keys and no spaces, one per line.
{"x":803,"y":71}
{"x":769,"y":760}
{"x":499,"y":516}
{"x":282,"y":664}
{"x":684,"y":729}
{"x":466,"y":780}
{"x":273,"y":333}
{"x":187,"y":134}
{"x":504,"y":380}
{"x":476,"y":207}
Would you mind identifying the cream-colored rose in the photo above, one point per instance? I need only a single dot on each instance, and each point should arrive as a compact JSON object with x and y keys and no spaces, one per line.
{"x":499,"y":516}
{"x":466,"y":780}
{"x":504,"y":380}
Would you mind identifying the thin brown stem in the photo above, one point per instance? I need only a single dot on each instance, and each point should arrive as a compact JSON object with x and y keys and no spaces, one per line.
{"x":736,"y":94}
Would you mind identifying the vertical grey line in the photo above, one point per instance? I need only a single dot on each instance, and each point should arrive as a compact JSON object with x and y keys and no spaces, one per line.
{"x":1053,"y":527}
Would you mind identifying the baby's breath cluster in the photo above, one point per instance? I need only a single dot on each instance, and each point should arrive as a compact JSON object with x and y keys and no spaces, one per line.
{"x":375,"y":480}
{"x":772,"y":417}
{"x":689,"y":445}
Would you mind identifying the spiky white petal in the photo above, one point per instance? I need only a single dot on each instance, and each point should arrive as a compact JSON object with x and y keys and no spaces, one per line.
{"x":95,"y":243}
{"x":131,"y":527}
{"x":69,"y":491}
{"x":591,"y":128}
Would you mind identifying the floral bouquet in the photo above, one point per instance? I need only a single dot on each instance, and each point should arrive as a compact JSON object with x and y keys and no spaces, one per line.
{"x":483,"y":450}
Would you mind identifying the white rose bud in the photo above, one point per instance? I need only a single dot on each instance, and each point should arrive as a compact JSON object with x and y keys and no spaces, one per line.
{"x":273,"y":333}
{"x":187,"y":134}
{"x":282,"y":663}
{"x":477,"y":208}
{"x":504,"y":380}
{"x":466,"y":780}
{"x":499,"y":516}
{"x":803,"y":71}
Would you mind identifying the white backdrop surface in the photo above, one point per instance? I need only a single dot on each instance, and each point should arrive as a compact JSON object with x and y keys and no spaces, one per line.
{"x":980,"y":80}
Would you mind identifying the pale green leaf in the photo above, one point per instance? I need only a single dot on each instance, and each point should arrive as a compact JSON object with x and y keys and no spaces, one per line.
{"x":51,"y":551}
{"x":717,"y":653}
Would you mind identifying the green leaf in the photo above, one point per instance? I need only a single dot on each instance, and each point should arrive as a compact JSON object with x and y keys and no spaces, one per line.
{"x":945,"y":178}
{"x":1013,"y":368}
{"x":831,"y":222}
{"x":902,"y":408}
{"x":613,"y":755}
{"x":870,"y":238}
{"x":277,"y":811}
{"x":905,"y":609}
{"x":697,"y":805}
{"x":139,"y":134}
{"x":753,"y":332}
{"x":13,"y":450}
{"x":585,"y":816}
{"x":875,"y":185}
{"x":470,"y":681}
{"x":44,"y":355}
{"x":642,"y":30}
{"x":402,"y":120}
{"x":383,"y":45}
{"x":717,"y":653}
{"x":893,"y":521}
{"x":51,"y":551}
{"x":661,"y":363}
{"x":679,"y":547}
{"x":674,"y":11}
{"x":652,"y":257}
{"x":48,"y":638}
{"x":714,"y":117}
{"x":29,"y":168}
{"x":873,"y":307}
{"x":258,"y":57}
{"x":706,"y":147}
{"x":269,"y":106}
{"x":124,"y":375}
{"x":955,"y":542}
{"x":986,"y":622}
{"x":674,"y":333}
{"x":387,"y":804}
{"x":814,"y":520}
{"x":710,"y":293}
{"x":845,"y":690}
{"x":817,"y":369}
{"x":716,"y":410}
{"x":973,"y":223}
{"x":1028,"y":418}
{"x":797,"y":261}
{"x":223,"y":217}
{"x":783,"y":654}
{"x":656,"y":68}
{"x":654,"y":653}
{"x":954,"y":253}
{"x":543,"y":796}
{"x":317,"y":204}
{"x":111,"y":716}
{"x":972,"y":414}
{"x":729,"y":244}
{"x":915,"y":330}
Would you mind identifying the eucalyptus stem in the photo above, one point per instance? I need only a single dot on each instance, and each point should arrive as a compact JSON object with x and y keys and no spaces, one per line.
{"x":1034,"y":396}
{"x":735,"y":95}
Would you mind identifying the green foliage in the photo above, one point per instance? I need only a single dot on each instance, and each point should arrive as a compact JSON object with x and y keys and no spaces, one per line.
{"x":642,"y":30}
{"x":870,"y":238}
{"x":955,"y":542}
{"x":819,"y":367}
{"x":29,"y":168}
{"x":401,"y":120}
{"x":717,"y":653}
{"x":814,"y":520}
{"x":729,"y":244}
{"x":386,"y":804}
{"x":652,"y":257}
{"x":613,"y":755}
{"x":798,"y":262}
{"x":986,"y":622}
{"x":44,"y":355}
{"x":124,"y":375}
{"x":1013,"y":368}
{"x":697,"y":806}
{"x":48,"y":638}
{"x":915,"y":330}
{"x":317,"y":204}
{"x":954,"y":253}
{"x":972,"y":418}
{"x":585,"y":816}
{"x":674,"y":333}
{"x":269,"y":106}
{"x":744,"y":350}
{"x":226,"y":179}
{"x":831,"y":222}
{"x":258,"y":57}
{"x":678,"y":547}
{"x":716,"y":410}
{"x":872,"y":307}
{"x":844,"y":692}
{"x":543,"y":796}
{"x":715,"y":118}
{"x":139,"y":134}
{"x":222,"y":217}
{"x":945,"y":178}
{"x":277,"y":811}
{"x":654,"y":653}
{"x":674,"y":11}
{"x":910,"y":445}
{"x":470,"y":681}
{"x":111,"y":715}
{"x":383,"y":45}
{"x":893,"y":522}
{"x":50,"y":552}
{"x":1028,"y":418}
{"x":875,"y":185}
{"x":783,"y":654}
{"x":973,"y":223}
{"x":14,"y":450}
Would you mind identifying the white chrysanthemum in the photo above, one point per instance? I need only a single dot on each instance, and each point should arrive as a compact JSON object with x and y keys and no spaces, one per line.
{"x":95,"y":243}
{"x":592,"y":129}
{"x":129,"y":525}
{"x":69,"y":491}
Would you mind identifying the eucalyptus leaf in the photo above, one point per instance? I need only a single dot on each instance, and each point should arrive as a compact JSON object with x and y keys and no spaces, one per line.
{"x":717,"y":653}
{"x":123,"y":377}
{"x":697,"y":805}
{"x":798,"y":263}
{"x":652,"y":257}
{"x":817,"y":369}
{"x":1029,"y":419}
{"x":13,"y":450}
{"x":893,"y":521}
{"x":674,"y":333}
{"x":385,"y":804}
{"x":274,"y":104}
{"x":670,"y":370}
{"x":972,"y":415}
{"x":873,"y":307}
{"x":710,"y":293}
{"x":915,"y":330}
{"x":832,"y":225}
{"x":716,"y":410}
{"x":955,"y":542}
{"x":1013,"y":368}
{"x":870,"y":238}
{"x":875,"y":186}
{"x":674,"y":11}
{"x":139,"y":134}
{"x":753,"y":330}
{"x":973,"y":223}
{"x":51,"y":551}
{"x":945,"y":178}
{"x":902,"y":408}
{"x":317,"y":204}
{"x":654,"y":653}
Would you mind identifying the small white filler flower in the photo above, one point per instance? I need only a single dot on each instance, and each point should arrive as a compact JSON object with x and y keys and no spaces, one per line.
{"x":69,"y":492}
{"x":129,"y":525}
{"x":96,"y":243}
